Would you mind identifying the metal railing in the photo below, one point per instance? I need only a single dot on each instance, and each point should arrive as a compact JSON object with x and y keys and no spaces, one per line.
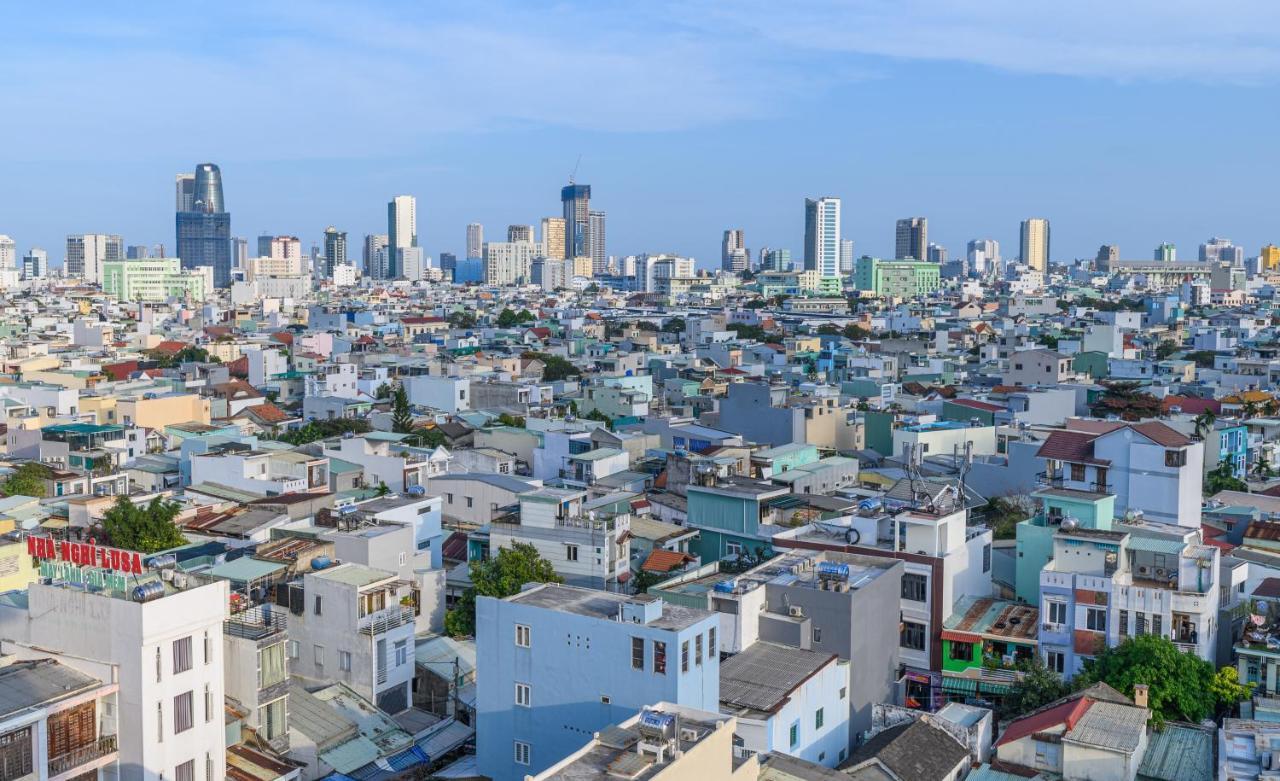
{"x":256,"y":622}
{"x":76,"y":757}
{"x":386,"y":620}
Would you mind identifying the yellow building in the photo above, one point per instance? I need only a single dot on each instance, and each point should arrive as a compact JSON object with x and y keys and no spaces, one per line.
{"x":103,"y":409}
{"x":17,"y":569}
{"x":162,"y":410}
{"x":1270,"y":257}
{"x":582,"y":267}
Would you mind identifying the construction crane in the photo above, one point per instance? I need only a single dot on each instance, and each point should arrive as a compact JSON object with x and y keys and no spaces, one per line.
{"x":574,"y":172}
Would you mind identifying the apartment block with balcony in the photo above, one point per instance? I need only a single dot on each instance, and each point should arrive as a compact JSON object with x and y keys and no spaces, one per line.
{"x":56,"y":723}
{"x":334,"y":379}
{"x":257,"y":670}
{"x":586,"y":548}
{"x":265,"y":472}
{"x":354,"y":624}
{"x":384,"y":459}
{"x":1103,"y":586}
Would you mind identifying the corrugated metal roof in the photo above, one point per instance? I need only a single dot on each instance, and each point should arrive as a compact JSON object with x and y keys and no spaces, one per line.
{"x":764,"y":675}
{"x":1110,"y":725}
{"x":1178,"y":753}
{"x":1156,"y":544}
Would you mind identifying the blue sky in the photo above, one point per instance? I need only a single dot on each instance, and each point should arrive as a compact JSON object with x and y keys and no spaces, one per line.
{"x":1130,"y":123}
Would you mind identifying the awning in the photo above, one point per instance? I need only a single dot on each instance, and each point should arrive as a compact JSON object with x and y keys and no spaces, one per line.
{"x":391,"y":766}
{"x":973,"y":686}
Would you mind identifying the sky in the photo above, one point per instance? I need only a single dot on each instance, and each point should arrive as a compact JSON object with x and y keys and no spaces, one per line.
{"x":1131,"y":123}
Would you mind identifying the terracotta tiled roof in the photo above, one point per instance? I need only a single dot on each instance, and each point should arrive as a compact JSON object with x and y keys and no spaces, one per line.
{"x":1192,"y":405}
{"x":1074,"y":446}
{"x":170,"y":348}
{"x":979,"y":405}
{"x":1268,"y":531}
{"x":267,"y":413}
{"x":665,"y":560}
{"x":1161,"y":434}
{"x":1067,"y":713}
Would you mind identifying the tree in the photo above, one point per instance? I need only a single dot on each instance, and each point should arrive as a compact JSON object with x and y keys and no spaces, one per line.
{"x":1222,"y":478}
{"x":26,"y":480}
{"x":645,"y":580}
{"x":756,"y":303}
{"x":317,"y":430}
{"x":401,"y":415}
{"x":1179,"y":682}
{"x":383,"y":391}
{"x":1048,"y":340}
{"x":509,"y":318}
{"x":1165,"y":349}
{"x":1038,"y":687}
{"x":829,"y":329}
{"x":1004,"y":513}
{"x":745,"y":331}
{"x":1262,"y":467}
{"x":1204,"y":423}
{"x":1127,"y":400}
{"x":500,"y":576}
{"x":431,"y":437}
{"x":510,"y":420}
{"x":674,"y":326}
{"x":1202,"y":358}
{"x":1228,"y":691}
{"x":647,"y":325}
{"x":462,"y":318}
{"x":553,"y":366}
{"x":145,"y":528}
{"x":596,"y":414}
{"x":854,"y":331}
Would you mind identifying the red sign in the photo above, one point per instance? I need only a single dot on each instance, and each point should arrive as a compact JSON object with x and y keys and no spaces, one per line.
{"x":85,"y":554}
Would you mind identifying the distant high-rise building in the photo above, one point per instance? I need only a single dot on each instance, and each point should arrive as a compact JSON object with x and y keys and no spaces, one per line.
{"x":983,"y":256}
{"x":509,"y":262}
{"x":1212,"y":249}
{"x":1269,"y":258}
{"x":448,"y":262}
{"x":1233,"y":255}
{"x":185,"y":195}
{"x":86,"y":252}
{"x":520,"y":233}
{"x":936,"y":253}
{"x":599,"y":257}
{"x":35,"y":264}
{"x":1107,"y":253}
{"x":402,"y":231}
{"x":822,"y":236}
{"x":576,"y":199}
{"x":475,"y":240}
{"x":846,"y":257}
{"x":137,"y":252}
{"x":553,"y":237}
{"x":335,"y":249}
{"x":239,"y":252}
{"x":375,"y":255}
{"x":8,"y":253}
{"x":204,"y":232}
{"x":734,"y":239}
{"x":1166,"y":253}
{"x":776,"y":260}
{"x":1033,"y":245}
{"x":413,"y":263}
{"x":911,"y":238}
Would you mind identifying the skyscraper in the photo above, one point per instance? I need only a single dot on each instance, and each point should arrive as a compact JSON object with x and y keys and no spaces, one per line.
{"x":86,"y":252}
{"x":822,"y":236}
{"x":8,"y":253}
{"x":1269,"y":258}
{"x":137,"y":252}
{"x":1107,"y":254}
{"x":733,"y":241}
{"x":35,"y":264}
{"x":335,"y":249}
{"x":239,"y":252}
{"x":1212,"y":249}
{"x":936,"y":253}
{"x":402,"y":231}
{"x":553,"y":237}
{"x":1166,"y":253}
{"x":984,"y":256}
{"x":280,"y":247}
{"x":520,"y":233}
{"x":448,"y":262}
{"x":375,"y":255}
{"x":475,"y":240}
{"x":1033,"y":245}
{"x":185,"y":195}
{"x":846,"y":257}
{"x":204,"y":232}
{"x":596,"y":232}
{"x":776,"y":260}
{"x":576,"y":199}
{"x":911,"y":238}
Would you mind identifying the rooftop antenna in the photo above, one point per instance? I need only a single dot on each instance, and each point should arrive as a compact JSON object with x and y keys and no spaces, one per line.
{"x":574,"y":172}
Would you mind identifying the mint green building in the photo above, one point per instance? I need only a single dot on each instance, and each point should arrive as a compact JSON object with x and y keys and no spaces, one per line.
{"x":728,"y":517}
{"x":896,"y":278}
{"x":155,"y":279}
{"x":1035,"y":535}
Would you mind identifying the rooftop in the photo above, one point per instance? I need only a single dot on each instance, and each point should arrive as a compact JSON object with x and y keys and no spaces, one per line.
{"x":31,"y":684}
{"x":762,"y":678}
{"x":603,"y":605}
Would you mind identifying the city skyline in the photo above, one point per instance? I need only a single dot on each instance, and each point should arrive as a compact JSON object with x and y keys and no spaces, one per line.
{"x":1085,"y":147}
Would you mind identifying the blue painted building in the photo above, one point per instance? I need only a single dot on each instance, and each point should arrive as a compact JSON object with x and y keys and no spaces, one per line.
{"x":729,"y":516}
{"x":554,"y":664}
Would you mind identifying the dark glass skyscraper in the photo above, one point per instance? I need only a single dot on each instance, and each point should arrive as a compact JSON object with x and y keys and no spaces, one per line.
{"x":204,"y":233}
{"x":577,"y":220}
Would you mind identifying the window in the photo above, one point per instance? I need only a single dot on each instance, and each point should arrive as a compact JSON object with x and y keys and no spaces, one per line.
{"x":1057,"y":612}
{"x":271,"y":665}
{"x":711,"y":642}
{"x":1095,"y":619}
{"x":449,"y":497}
{"x":16,"y":758}
{"x":1140,"y":627}
{"x":317,"y":605}
{"x":1175,"y":458}
{"x":1124,"y":623}
{"x":733,"y":548}
{"x":295,"y":649}
{"x":844,"y":692}
{"x":158,"y":670}
{"x":1055,"y":661}
{"x":697,"y":649}
{"x":186,"y":771}
{"x":273,"y":718}
{"x":912,"y":636}
{"x":471,"y":501}
{"x":684,"y":657}
{"x":605,"y":699}
{"x":402,"y":653}
{"x":1156,"y":621}
{"x":319,"y":651}
{"x":817,"y":719}
{"x":524,"y":695}
{"x":182,"y":716}
{"x":571,"y":552}
{"x":1077,"y":473}
{"x":795,"y":734}
{"x":523,"y":635}
{"x":344,"y":661}
{"x":961,"y":652}
{"x":208,"y":704}
{"x":404,"y":557}
{"x":659,"y":657}
{"x":208,"y":649}
{"x":637,"y":653}
{"x":522,"y":753}
{"x":817,"y":635}
{"x":986,"y":558}
{"x":159,"y":722}
{"x":915,"y":587}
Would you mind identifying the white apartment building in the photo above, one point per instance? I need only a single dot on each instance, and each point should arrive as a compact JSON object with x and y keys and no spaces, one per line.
{"x":57,"y":722}
{"x":265,"y":472}
{"x":384,"y":459}
{"x":163,"y":634}
{"x":257,"y":670}
{"x":509,"y":262}
{"x":334,"y":379}
{"x":585,"y":549}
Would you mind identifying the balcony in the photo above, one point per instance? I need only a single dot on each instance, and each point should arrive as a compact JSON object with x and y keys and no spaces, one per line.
{"x":76,"y":757}
{"x":259,"y":622}
{"x":385,"y":620}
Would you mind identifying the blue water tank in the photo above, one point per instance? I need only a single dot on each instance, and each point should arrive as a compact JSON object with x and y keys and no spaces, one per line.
{"x":320,"y":562}
{"x":417,"y":490}
{"x":726,"y":586}
{"x":830,"y":569}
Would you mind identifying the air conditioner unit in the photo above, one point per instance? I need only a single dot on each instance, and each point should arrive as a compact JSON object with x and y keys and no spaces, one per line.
{"x":795,"y":611}
{"x":1161,"y":573}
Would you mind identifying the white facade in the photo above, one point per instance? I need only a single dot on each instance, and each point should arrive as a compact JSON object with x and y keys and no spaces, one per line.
{"x":449,"y":394}
{"x":509,"y":262}
{"x":822,"y":235}
{"x":88,"y":251}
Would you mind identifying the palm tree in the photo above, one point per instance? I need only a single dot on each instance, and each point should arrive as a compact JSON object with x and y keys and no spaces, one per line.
{"x":1204,"y":423}
{"x":1249,"y":410}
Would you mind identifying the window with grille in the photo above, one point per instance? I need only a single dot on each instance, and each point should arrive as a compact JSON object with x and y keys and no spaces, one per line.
{"x":915,"y":587}
{"x":637,"y":653}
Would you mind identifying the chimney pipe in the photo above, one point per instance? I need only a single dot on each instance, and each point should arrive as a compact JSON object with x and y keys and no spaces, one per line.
{"x":1140,"y":691}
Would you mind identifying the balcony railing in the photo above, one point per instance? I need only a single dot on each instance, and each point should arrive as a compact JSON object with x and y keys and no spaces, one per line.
{"x":64,"y":763}
{"x":257,"y":622}
{"x":386,"y":620}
